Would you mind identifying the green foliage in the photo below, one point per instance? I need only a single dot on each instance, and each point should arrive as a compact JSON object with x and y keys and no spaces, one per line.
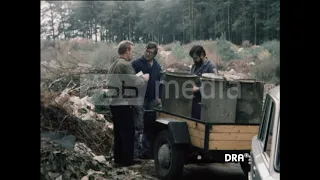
{"x":85,"y":46}
{"x":246,"y":44}
{"x":180,"y":53}
{"x":161,"y":21}
{"x":273,"y":47}
{"x":167,"y":48}
{"x":139,"y":49}
{"x":251,"y":52}
{"x":224,"y":49}
{"x":269,"y":69}
{"x":103,"y":56}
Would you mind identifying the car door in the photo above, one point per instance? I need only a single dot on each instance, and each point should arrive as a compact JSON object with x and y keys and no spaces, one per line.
{"x":262,"y":143}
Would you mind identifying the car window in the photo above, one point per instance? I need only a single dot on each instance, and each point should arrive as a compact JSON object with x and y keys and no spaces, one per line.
{"x":265,"y":115}
{"x":268,"y":138}
{"x":277,"y":158}
{"x":277,"y":164}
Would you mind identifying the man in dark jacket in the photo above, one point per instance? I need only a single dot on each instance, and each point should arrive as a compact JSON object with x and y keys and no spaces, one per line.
{"x":201,"y":65}
{"x":121,"y":107}
{"x":147,"y":64}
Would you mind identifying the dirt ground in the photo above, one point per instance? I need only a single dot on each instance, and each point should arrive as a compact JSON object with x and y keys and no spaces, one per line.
{"x":230,"y":171}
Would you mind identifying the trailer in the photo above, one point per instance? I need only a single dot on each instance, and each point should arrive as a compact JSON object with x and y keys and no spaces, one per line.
{"x":222,"y":135}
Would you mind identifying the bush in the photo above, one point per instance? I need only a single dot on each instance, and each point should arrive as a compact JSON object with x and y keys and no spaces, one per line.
{"x":139,"y":49}
{"x":84,"y":45}
{"x":103,"y":56}
{"x":252,"y":52}
{"x":179,"y":52}
{"x":45,"y":44}
{"x":273,"y":47}
{"x":167,"y":48}
{"x":269,"y":68}
{"x":224,"y":49}
{"x":246,"y":44}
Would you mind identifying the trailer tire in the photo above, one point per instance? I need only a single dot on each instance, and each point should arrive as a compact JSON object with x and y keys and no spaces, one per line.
{"x":168,"y":157}
{"x":245,"y":166}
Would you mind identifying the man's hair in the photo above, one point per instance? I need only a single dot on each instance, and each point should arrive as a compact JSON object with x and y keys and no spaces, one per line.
{"x":153,"y":45}
{"x":198,"y":50}
{"x":124,"y":46}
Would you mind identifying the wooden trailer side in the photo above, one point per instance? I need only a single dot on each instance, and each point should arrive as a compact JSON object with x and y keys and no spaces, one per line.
{"x":221,"y":137}
{"x":196,"y":129}
{"x":232,"y":137}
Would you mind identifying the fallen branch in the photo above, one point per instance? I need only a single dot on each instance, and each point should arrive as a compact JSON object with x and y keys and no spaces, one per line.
{"x":54,"y":82}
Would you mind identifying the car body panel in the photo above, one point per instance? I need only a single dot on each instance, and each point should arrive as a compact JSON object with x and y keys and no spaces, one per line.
{"x":267,"y":141}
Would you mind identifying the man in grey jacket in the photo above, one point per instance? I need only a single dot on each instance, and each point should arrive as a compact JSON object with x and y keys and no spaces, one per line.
{"x":122,"y":73}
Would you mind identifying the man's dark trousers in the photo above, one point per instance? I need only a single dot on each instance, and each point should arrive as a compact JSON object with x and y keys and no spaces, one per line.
{"x":138,"y":120}
{"x":146,"y":139}
{"x":123,"y":134}
{"x":196,"y":107}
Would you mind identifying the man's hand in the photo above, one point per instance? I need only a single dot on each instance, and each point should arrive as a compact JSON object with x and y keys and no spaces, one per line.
{"x":195,"y":89}
{"x":146,"y":77}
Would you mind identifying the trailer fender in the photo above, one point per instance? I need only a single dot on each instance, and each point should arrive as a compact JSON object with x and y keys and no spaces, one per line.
{"x":178,"y":129}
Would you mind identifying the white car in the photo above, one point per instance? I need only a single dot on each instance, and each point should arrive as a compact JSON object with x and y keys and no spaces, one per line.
{"x":265,"y":152}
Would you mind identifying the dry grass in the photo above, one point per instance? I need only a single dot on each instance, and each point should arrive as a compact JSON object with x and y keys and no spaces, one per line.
{"x":63,"y":59}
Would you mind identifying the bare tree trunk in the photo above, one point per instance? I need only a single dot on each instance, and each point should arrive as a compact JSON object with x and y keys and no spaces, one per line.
{"x":215,"y":26}
{"x":255,"y":22}
{"x":129,"y":36}
{"x":119,"y":38}
{"x":192,"y":20}
{"x":229,"y":32}
{"x":52,"y":22}
{"x":183,"y":28}
{"x":242,"y":29}
{"x":200,"y":28}
{"x":268,"y":17}
{"x":96,"y":32}
{"x":159,"y":39}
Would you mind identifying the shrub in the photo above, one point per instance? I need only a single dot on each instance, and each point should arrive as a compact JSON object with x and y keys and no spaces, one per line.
{"x":139,"y":49}
{"x":273,"y":47}
{"x":179,"y":52}
{"x":84,"y":45}
{"x":167,"y":48}
{"x":246,"y":44}
{"x":268,"y":68}
{"x":103,"y":56}
{"x":224,"y":49}
{"x":252,"y":52}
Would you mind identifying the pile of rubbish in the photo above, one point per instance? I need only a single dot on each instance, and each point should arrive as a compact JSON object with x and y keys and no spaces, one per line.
{"x":61,"y":161}
{"x":65,"y":111}
{"x":95,"y":134}
{"x":77,"y":140}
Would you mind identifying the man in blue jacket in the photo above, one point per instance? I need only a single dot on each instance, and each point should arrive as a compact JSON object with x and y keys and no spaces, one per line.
{"x":147,"y":64}
{"x":201,"y":65}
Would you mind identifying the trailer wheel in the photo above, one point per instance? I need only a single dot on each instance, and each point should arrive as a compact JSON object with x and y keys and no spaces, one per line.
{"x":245,"y":166}
{"x":168,"y":157}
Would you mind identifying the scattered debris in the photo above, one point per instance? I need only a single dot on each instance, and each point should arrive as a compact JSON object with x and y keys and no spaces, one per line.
{"x":93,"y":133}
{"x":59,"y":163}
